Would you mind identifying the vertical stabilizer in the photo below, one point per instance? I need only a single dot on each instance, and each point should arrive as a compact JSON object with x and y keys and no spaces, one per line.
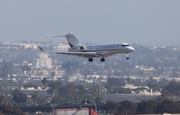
{"x":72,"y":40}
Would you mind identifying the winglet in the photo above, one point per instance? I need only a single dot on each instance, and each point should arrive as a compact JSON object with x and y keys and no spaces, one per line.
{"x":41,"y":49}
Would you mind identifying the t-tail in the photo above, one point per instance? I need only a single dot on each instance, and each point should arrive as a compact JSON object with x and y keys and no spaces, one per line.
{"x":71,"y":39}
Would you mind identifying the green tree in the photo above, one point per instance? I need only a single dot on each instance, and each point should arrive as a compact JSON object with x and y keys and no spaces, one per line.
{"x":127,"y":107}
{"x":77,"y":93}
{"x":150,"y":85}
{"x":155,"y":88}
{"x":171,"y":90}
{"x":62,"y":99}
{"x":147,"y":107}
{"x":128,"y":80}
{"x":26,"y":68}
{"x":94,"y":91}
{"x":54,"y":87}
{"x":1,"y":99}
{"x":71,"y":89}
{"x":34,"y":97}
{"x":115,"y":82}
{"x":44,"y":81}
{"x":163,"y":82}
{"x":111,"y":107}
{"x":168,"y":106}
{"x":161,"y":98}
{"x":19,"y":97}
{"x":7,"y":109}
{"x":98,"y":100}
{"x":42,"y":100}
{"x":70,"y":66}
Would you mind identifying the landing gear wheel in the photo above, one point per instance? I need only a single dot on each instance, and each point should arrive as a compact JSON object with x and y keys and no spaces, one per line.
{"x":90,"y":59}
{"x":127,"y":56}
{"x":102,"y":60}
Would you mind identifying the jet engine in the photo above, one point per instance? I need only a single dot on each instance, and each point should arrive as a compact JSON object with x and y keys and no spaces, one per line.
{"x":82,"y":48}
{"x":77,"y":48}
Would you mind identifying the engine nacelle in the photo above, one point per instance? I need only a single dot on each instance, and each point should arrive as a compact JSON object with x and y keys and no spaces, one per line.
{"x":82,"y":48}
{"x":77,"y":48}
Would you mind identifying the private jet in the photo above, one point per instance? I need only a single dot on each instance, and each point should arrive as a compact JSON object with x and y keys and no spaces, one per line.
{"x":91,"y":51}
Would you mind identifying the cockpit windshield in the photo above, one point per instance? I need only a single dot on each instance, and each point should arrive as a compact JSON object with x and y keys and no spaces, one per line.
{"x":125,"y":45}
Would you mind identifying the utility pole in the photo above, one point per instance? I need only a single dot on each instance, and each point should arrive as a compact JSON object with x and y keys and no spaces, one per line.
{"x":27,"y":91}
{"x":105,"y":93}
{"x":95,"y":106}
{"x":99,"y":88}
{"x":6,"y":96}
{"x":53,"y":105}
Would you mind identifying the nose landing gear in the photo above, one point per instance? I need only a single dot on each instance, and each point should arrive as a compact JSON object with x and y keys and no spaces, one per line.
{"x":127,"y":56}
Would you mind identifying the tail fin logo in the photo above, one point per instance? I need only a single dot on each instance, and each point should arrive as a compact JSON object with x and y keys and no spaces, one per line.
{"x":72,"y":40}
{"x":70,"y":45}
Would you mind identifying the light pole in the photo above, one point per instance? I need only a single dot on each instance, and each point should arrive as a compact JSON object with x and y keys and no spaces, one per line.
{"x":95,"y":106}
{"x":27,"y":91}
{"x":53,"y":105}
{"x":105,"y":93}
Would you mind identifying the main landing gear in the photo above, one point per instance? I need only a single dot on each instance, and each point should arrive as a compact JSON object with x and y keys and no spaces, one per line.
{"x":102,"y":60}
{"x":91,"y":60}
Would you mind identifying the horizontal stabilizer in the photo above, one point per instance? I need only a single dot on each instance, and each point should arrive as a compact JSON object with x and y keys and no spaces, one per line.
{"x":54,"y":36}
{"x":66,"y":35}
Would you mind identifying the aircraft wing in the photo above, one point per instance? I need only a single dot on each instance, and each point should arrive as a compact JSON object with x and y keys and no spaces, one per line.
{"x":83,"y":54}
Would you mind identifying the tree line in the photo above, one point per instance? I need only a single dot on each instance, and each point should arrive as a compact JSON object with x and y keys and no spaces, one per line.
{"x":59,"y":92}
{"x":143,"y":107}
{"x":54,"y":92}
{"x":7,"y":109}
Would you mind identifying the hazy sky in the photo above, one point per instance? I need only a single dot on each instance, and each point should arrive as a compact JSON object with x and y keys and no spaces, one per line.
{"x":148,"y":22}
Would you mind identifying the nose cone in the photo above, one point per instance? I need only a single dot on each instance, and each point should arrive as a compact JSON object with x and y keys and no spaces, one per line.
{"x":131,"y":49}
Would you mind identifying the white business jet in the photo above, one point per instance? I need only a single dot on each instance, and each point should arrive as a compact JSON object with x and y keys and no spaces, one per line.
{"x":99,"y":51}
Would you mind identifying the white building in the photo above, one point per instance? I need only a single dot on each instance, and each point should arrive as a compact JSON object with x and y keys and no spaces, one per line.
{"x":61,"y":47}
{"x":43,"y":61}
{"x":34,"y":46}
